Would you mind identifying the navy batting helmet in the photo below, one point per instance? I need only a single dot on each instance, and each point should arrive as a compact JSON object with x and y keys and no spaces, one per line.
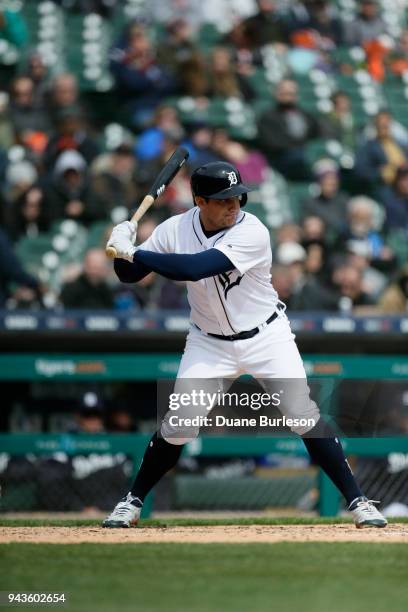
{"x":219,"y":181}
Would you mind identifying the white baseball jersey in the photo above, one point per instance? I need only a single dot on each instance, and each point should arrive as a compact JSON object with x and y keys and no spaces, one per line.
{"x":234,"y":301}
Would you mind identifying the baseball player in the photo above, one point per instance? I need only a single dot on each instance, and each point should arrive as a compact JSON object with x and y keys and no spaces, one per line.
{"x":238,"y":325}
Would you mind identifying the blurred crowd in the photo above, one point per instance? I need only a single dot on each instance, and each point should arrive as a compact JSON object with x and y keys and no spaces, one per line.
{"x":342,"y":247}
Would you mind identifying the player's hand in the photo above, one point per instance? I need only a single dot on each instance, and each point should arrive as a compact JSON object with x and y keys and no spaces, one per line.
{"x":123,"y":238}
{"x":126,"y":229}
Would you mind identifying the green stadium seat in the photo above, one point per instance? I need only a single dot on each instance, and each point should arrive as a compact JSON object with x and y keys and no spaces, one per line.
{"x":97,"y":234}
{"x":208,"y":37}
{"x":270,"y":201}
{"x":297,"y":193}
{"x":397,"y":241}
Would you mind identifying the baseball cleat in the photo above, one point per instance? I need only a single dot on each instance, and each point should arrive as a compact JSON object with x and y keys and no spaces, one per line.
{"x":125,"y":514}
{"x":365,"y":514}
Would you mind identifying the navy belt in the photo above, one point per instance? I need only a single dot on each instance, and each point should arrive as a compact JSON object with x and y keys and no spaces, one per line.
{"x":251,"y":332}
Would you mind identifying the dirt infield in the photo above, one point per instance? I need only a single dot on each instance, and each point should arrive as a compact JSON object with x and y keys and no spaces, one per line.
{"x":205,"y":534}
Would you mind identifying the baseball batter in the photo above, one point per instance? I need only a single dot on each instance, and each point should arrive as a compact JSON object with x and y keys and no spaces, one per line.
{"x":238,"y":325}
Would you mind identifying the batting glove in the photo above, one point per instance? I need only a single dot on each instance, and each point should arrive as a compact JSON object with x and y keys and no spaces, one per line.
{"x":126,"y":229}
{"x":123,"y":238}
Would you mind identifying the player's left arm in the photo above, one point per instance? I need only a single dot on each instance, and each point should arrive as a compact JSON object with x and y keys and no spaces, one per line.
{"x":180,"y":267}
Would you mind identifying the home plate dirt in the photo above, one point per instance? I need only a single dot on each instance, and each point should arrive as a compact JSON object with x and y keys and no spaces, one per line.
{"x":220,"y":533}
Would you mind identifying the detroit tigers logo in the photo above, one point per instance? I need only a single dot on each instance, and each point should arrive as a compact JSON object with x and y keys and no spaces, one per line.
{"x":226,"y":282}
{"x":232,"y":177}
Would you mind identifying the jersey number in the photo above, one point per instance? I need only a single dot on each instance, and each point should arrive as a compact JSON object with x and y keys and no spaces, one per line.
{"x":226,"y":283}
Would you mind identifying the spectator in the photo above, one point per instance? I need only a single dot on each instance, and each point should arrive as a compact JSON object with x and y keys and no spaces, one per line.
{"x":19,"y":177}
{"x":313,"y":231}
{"x":64,"y":91}
{"x":340,"y":122}
{"x":90,"y":289}
{"x":266,"y":27}
{"x":71,"y":134}
{"x":199,"y":144}
{"x":28,"y":214}
{"x":13,"y":28}
{"x":37,"y":70}
{"x":11,"y":271}
{"x":177,"y":50}
{"x":284,"y":131}
{"x":398,"y":131}
{"x":64,"y":96}
{"x":318,"y":18}
{"x":366,"y":246}
{"x":171,"y":295}
{"x":314,"y":243}
{"x":364,"y":224}
{"x":90,"y":416}
{"x":69,"y":194}
{"x":308,"y":51}
{"x":113,"y":176}
{"x":178,"y":194}
{"x":191,"y":11}
{"x":348,"y":281}
{"x":282,"y":282}
{"x":142,"y":295}
{"x":193,"y":78}
{"x":395,"y":199}
{"x":140,"y":79}
{"x":94,"y":477}
{"x":251,"y":164}
{"x":378,"y":159}
{"x":246,"y":57}
{"x":398,"y":58}
{"x":224,"y":81}
{"x":6,"y":127}
{"x":315,"y":257}
{"x":288,"y":232}
{"x":145,"y":293}
{"x":151,"y":141}
{"x":359,"y":256}
{"x":307,"y":292}
{"x":329,"y":203}
{"x":26,"y":116}
{"x":394,"y":300}
{"x":366,"y":27}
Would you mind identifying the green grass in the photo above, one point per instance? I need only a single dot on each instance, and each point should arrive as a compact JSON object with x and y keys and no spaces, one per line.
{"x":186,"y":522}
{"x":283,"y":577}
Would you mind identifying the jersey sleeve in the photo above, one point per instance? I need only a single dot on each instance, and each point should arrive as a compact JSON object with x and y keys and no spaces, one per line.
{"x":161,"y":239}
{"x":247,"y":246}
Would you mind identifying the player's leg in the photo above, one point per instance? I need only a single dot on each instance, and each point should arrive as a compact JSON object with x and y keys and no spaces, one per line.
{"x":202,"y":358}
{"x":279,"y":358}
{"x":325,"y":450}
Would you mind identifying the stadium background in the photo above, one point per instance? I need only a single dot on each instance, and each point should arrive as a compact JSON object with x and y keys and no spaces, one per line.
{"x":84,"y":126}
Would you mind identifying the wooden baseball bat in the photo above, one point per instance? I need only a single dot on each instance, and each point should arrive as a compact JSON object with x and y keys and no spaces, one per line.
{"x":164,"y":178}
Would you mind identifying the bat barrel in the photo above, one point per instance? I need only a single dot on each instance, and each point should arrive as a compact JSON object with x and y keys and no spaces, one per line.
{"x":165,"y":176}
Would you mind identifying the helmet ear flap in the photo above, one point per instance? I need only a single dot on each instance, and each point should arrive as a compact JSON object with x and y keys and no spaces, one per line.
{"x":243,"y":200}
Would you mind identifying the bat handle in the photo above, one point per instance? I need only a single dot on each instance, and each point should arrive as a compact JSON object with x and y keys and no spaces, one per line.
{"x":143,"y":208}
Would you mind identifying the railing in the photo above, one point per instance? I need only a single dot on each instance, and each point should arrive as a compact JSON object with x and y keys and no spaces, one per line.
{"x":208,"y":446}
{"x":109,"y":321}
